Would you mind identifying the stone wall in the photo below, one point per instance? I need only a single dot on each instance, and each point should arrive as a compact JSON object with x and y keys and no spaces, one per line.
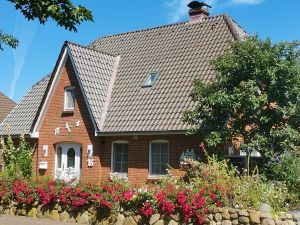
{"x":221,"y":216}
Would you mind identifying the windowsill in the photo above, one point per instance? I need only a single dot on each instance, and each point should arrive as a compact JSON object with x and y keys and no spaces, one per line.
{"x":156,"y":177}
{"x":68,"y":112}
{"x":119,"y":175}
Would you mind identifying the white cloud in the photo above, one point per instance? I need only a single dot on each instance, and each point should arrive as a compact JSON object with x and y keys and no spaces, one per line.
{"x":179,"y":8}
{"x":25,"y":32}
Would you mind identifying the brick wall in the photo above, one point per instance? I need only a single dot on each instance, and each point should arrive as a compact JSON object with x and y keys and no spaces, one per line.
{"x":138,"y":146}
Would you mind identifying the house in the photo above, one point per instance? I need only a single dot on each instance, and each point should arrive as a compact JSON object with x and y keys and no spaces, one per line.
{"x":6,"y":105}
{"x":114,"y":107}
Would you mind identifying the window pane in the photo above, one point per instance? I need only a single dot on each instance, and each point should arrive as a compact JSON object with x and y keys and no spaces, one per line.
{"x":155,"y":169}
{"x":164,"y":148}
{"x":70,"y":95}
{"x":155,"y":158}
{"x":159,"y":158}
{"x":155,"y":148}
{"x":125,"y":168}
{"x":118,"y":167}
{"x":71,"y":158}
{"x":58,"y":155}
{"x":120,"y":158}
{"x":164,"y":158}
{"x":164,"y":168}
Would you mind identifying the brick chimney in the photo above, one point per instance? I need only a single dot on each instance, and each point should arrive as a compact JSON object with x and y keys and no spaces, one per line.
{"x":198,"y":10}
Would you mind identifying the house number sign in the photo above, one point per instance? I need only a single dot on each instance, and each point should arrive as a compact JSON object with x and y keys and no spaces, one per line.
{"x":188,"y":154}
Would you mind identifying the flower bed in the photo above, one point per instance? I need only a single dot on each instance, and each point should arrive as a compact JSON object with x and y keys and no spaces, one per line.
{"x":190,"y":205}
{"x":116,"y":202}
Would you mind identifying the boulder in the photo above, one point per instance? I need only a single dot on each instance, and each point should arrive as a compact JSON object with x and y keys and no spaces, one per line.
{"x":54,"y":215}
{"x":267,"y":221}
{"x":243,"y":213}
{"x":244,"y":219}
{"x":235,"y":222}
{"x":234,"y":216}
{"x":154,"y":218}
{"x":225,"y":214}
{"x":226,"y":222}
{"x":66,"y":217}
{"x":32,"y":212}
{"x":218,"y":217}
{"x":129,"y":221}
{"x":254,"y":216}
{"x":83,"y":217}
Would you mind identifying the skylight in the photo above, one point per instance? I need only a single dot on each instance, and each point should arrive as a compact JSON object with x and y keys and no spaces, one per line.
{"x":150,"y":79}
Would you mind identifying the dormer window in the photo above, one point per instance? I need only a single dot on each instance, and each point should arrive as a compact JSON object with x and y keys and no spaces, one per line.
{"x":150,"y":79}
{"x":69,"y":98}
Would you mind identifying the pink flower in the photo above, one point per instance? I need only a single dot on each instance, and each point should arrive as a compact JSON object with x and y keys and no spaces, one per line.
{"x":128,"y":195}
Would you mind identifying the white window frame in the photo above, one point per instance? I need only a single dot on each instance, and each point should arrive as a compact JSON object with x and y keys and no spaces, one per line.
{"x":112,"y":160}
{"x":156,"y":176}
{"x":66,"y":108}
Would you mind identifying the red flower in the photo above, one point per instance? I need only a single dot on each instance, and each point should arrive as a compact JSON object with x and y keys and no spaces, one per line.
{"x":146,"y":210}
{"x":201,"y":147}
{"x":181,"y":197}
{"x":219,"y":204}
{"x":161,"y":197}
{"x":168,"y":207}
{"x":213,"y":196}
{"x":105,"y":203}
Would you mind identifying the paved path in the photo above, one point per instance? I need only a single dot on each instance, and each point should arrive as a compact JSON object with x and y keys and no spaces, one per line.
{"x":22,"y":220}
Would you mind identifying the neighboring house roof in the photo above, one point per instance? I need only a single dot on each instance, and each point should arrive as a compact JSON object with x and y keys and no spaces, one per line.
{"x":112,"y":70}
{"x":6,"y":105}
{"x":21,"y":118}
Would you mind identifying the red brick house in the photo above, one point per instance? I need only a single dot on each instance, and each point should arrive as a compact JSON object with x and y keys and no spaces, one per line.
{"x":114,"y":107}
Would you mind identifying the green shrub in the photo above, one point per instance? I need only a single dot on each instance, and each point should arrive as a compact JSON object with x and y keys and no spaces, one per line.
{"x":247,"y":190}
{"x":286,"y":168}
{"x":17,"y":161}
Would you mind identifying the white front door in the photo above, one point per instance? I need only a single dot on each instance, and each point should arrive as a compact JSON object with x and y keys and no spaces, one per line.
{"x":68,"y":161}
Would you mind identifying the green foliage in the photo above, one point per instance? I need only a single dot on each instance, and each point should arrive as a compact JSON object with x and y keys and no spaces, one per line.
{"x":255,"y":94}
{"x":63,"y":12}
{"x":8,"y":40}
{"x":286,"y":168}
{"x":17,"y":161}
{"x":235,"y":190}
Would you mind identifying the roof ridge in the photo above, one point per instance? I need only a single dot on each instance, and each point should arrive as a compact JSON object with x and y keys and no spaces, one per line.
{"x":231,"y":25}
{"x":89,"y":48}
{"x":153,"y":28}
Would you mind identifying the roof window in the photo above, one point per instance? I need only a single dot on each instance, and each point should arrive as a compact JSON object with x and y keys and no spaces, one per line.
{"x":151,"y":78}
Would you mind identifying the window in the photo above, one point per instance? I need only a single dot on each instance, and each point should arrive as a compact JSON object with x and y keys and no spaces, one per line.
{"x":159,"y":157}
{"x":120,"y":157}
{"x":69,"y":98}
{"x":150,"y":79}
{"x":71,"y":158}
{"x":58,"y":156}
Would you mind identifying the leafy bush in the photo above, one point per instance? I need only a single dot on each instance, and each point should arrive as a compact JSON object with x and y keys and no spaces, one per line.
{"x":286,"y":168}
{"x":17,"y":161}
{"x":246,"y":190}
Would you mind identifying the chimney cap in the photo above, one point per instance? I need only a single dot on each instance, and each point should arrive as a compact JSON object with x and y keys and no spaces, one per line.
{"x":197,"y":5}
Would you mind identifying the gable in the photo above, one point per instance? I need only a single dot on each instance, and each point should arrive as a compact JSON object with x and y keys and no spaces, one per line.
{"x":95,"y":74}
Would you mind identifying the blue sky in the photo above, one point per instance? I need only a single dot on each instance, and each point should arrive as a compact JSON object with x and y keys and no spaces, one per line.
{"x":40,"y":45}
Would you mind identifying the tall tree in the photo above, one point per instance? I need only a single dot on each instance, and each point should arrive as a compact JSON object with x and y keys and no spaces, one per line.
{"x":64,"y":12}
{"x":255,"y":95}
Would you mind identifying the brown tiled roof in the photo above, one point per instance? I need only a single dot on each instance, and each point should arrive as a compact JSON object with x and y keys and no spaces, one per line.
{"x":6,"y":105}
{"x":181,"y":53}
{"x":112,"y":71}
